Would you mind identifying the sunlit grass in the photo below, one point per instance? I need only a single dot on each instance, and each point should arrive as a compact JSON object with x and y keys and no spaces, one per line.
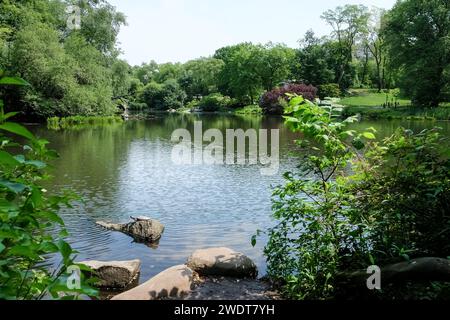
{"x":364,"y":98}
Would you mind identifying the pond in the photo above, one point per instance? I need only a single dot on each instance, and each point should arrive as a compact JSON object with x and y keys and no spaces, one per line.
{"x":126,"y":170}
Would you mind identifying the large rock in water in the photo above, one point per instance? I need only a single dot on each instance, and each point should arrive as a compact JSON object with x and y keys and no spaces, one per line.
{"x":115,"y":274}
{"x":142,"y":229}
{"x":174,"y":282}
{"x":222,"y":262}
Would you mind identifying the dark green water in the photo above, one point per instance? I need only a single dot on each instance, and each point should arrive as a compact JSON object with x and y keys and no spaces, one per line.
{"x":124,"y":170}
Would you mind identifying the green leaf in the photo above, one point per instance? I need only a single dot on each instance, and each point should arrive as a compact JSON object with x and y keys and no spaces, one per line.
{"x":24,"y":251}
{"x":52,"y":217}
{"x":13,"y":186}
{"x":48,"y":246}
{"x":7,"y":159}
{"x":17,"y":129}
{"x":15,"y":81}
{"x":369,"y":135}
{"x":65,"y":250}
{"x":2,"y":247}
{"x":38,"y":164}
{"x":36,"y":197}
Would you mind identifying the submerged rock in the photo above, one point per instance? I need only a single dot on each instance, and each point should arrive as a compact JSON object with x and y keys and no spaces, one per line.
{"x":222,"y":262}
{"x":142,"y":229}
{"x":174,"y":282}
{"x":115,"y":274}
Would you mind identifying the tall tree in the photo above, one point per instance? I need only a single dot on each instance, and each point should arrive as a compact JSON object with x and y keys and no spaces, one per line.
{"x":200,"y":76}
{"x":348,"y":23}
{"x":418,"y":35}
{"x":239,"y":77}
{"x":313,"y":61}
{"x":274,"y":63}
{"x":376,"y":45}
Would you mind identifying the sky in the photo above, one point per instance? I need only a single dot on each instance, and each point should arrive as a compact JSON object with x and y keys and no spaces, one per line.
{"x":181,"y":30}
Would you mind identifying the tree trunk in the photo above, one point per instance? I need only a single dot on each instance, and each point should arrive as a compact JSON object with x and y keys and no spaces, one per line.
{"x":420,"y":269}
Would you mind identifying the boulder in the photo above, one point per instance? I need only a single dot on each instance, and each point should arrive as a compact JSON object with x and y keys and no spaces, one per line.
{"x":142,"y":229}
{"x":222,"y":262}
{"x":115,"y":274}
{"x":174,"y":282}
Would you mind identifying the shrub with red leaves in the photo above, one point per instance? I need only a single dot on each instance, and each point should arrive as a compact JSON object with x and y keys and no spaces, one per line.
{"x":272,"y":101}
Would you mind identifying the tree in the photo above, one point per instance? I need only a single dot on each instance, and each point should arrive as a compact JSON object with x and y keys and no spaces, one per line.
{"x":240,"y":77}
{"x":167,"y":71}
{"x":313,"y":61}
{"x":200,"y":76}
{"x":348,"y":23}
{"x":101,"y":25}
{"x":376,"y":45}
{"x":274,"y":63}
{"x":146,"y":72}
{"x":71,"y":72}
{"x":417,"y":34}
{"x":121,"y":78}
{"x":163,"y":96}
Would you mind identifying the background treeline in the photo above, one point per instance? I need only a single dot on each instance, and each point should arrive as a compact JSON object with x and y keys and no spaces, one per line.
{"x":71,"y":72}
{"x":78,"y":72}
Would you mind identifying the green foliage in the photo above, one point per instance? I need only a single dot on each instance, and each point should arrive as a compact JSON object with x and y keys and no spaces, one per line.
{"x":330,"y":90}
{"x":355,"y":202}
{"x":27,"y":214}
{"x":200,"y":77}
{"x":417,"y":34}
{"x":214,"y":102}
{"x":314,"y":61}
{"x":168,"y":95}
{"x":173,"y":97}
{"x":252,"y":109}
{"x":405,"y":183}
{"x":303,"y":248}
{"x":348,"y":22}
{"x":56,"y":123}
{"x":70,"y":72}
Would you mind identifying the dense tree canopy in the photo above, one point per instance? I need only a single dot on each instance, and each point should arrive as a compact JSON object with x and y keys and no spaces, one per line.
{"x":418,"y":35}
{"x":70,"y":71}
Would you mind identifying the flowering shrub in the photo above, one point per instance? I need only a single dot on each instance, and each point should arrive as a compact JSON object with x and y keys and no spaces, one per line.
{"x":272,"y":102}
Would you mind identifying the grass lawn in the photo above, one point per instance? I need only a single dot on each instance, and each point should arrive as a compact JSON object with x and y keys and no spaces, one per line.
{"x":368,"y":103}
{"x":365,"y":98}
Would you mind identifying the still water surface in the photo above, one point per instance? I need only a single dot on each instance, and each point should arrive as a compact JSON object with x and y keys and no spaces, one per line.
{"x":126,"y":169}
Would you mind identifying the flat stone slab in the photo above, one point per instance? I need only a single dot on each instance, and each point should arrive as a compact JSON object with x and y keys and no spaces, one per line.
{"x":142,"y":229}
{"x":114,"y":274}
{"x":222,"y":262}
{"x":174,"y":282}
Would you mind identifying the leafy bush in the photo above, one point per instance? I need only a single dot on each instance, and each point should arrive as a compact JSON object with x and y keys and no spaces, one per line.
{"x":272,"y":101}
{"x":252,"y":109}
{"x":355,"y":202}
{"x":215,"y":102}
{"x":330,"y":90}
{"x":163,"y":96}
{"x":406,"y":193}
{"x":27,"y":214}
{"x":173,"y":95}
